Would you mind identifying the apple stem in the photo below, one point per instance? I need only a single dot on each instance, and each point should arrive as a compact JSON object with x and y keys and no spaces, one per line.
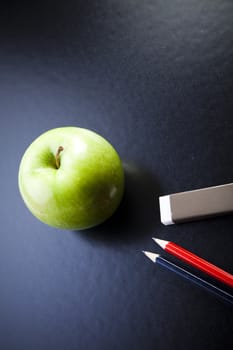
{"x":57,"y":158}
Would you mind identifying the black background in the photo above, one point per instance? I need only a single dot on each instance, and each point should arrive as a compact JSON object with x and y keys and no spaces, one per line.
{"x":155,"y":79}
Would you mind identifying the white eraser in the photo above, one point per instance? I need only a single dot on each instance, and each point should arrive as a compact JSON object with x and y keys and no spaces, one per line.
{"x":196,"y":204}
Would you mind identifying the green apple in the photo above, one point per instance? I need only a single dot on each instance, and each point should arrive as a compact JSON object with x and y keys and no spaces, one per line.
{"x":71,"y":178}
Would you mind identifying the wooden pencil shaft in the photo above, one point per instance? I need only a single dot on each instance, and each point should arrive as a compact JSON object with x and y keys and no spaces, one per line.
{"x":195,"y":279}
{"x":199,"y":263}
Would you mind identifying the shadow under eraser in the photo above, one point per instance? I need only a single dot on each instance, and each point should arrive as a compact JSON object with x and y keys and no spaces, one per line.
{"x":196,"y":204}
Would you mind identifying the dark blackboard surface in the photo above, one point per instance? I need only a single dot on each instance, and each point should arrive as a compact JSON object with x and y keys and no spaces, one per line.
{"x":155,"y":78}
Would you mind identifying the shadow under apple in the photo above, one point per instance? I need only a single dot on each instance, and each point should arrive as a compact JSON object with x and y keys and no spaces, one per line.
{"x":138,"y":214}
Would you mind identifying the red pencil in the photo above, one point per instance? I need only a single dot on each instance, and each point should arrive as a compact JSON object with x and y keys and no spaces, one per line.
{"x":196,"y":261}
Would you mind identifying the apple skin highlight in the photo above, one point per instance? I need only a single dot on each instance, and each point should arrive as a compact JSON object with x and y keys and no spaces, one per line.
{"x":71,"y":178}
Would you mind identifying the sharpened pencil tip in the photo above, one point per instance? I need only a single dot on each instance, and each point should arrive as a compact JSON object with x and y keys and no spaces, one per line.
{"x":151,"y":256}
{"x":160,"y":242}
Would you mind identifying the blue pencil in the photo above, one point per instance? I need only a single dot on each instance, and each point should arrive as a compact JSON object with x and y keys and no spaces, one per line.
{"x":156,"y":258}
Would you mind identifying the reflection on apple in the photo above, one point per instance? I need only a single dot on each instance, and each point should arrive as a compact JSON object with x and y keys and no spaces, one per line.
{"x":71,"y":178}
